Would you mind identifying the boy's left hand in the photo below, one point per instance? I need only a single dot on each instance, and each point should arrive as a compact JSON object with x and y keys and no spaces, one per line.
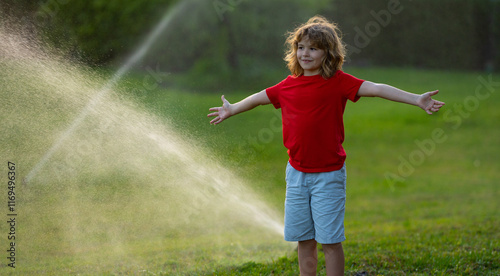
{"x":428,"y":104}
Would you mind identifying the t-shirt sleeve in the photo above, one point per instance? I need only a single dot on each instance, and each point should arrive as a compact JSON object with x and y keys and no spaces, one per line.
{"x":351,"y":86}
{"x":273,"y":94}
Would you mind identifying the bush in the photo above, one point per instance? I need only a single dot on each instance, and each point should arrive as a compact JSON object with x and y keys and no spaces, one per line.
{"x":445,"y":34}
{"x":210,"y":38}
{"x":98,"y":30}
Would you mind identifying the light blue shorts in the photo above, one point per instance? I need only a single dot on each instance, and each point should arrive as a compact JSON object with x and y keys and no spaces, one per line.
{"x":314,"y":206}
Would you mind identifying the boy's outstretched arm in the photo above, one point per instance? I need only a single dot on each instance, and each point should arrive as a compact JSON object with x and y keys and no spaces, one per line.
{"x":227,"y":110}
{"x":424,"y":101}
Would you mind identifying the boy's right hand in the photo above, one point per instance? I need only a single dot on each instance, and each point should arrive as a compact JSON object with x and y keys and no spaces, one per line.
{"x":221,"y":113}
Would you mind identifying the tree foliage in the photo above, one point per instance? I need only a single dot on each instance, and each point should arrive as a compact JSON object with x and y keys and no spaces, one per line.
{"x":445,"y":34}
{"x":98,"y":30}
{"x":246,"y":37}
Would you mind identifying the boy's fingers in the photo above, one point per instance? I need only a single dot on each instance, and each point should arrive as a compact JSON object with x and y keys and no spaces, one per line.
{"x":216,"y":121}
{"x":432,"y":93}
{"x":213,"y":122}
{"x":432,"y":109}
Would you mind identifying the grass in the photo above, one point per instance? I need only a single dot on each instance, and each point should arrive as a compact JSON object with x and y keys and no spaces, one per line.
{"x":437,"y":213}
{"x":441,"y":218}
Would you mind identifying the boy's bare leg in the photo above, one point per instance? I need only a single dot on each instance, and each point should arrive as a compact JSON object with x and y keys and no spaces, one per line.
{"x":308,"y":257}
{"x":334,"y":259}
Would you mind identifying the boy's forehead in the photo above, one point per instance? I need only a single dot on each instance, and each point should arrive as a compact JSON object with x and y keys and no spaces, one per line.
{"x":305,"y":41}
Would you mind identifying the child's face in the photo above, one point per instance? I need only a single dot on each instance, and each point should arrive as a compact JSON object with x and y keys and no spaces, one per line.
{"x":310,"y":58}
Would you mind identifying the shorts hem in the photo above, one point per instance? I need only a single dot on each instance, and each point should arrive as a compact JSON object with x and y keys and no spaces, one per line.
{"x":301,"y":239}
{"x":332,"y":241}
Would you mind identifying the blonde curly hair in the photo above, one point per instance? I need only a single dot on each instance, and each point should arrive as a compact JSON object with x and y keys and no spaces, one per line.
{"x":322,"y":34}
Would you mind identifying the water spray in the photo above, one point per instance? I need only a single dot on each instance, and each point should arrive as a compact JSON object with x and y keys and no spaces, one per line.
{"x":131,"y":61}
{"x":117,"y":176}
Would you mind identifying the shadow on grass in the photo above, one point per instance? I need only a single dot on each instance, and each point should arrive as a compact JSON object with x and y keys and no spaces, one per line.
{"x":286,"y":265}
{"x":282,"y":266}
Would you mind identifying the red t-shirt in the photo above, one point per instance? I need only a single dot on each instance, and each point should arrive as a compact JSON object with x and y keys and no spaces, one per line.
{"x":312,"y":111}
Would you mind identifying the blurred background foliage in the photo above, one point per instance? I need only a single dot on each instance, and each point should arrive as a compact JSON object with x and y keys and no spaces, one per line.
{"x":233,"y":40}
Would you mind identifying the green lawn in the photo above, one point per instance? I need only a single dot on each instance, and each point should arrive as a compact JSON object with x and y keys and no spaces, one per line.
{"x":422,"y":190}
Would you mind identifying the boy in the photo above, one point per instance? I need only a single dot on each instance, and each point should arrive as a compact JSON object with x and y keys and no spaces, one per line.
{"x":312,"y":101}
